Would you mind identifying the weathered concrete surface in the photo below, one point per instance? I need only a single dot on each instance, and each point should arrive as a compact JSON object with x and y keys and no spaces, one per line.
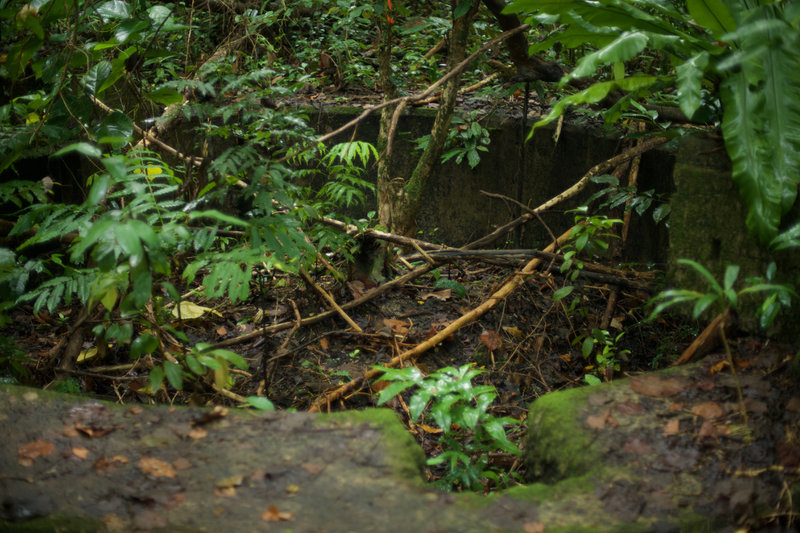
{"x":707,"y":224}
{"x":634,"y":455}
{"x":455,"y":212}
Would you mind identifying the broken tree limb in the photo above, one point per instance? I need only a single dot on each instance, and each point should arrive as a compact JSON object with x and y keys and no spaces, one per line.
{"x":352,"y":230}
{"x":330,"y":301}
{"x":500,"y":295}
{"x":570,"y":192}
{"x":593,"y":271}
{"x":709,"y":339}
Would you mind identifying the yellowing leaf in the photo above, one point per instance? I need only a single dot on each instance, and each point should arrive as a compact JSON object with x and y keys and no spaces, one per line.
{"x":190,"y":310}
{"x":109,"y":298}
{"x":85,"y":355}
{"x":514,"y":331}
{"x":32,"y":118}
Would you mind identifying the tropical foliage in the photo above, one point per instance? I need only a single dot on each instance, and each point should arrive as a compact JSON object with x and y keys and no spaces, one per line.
{"x":732,"y":61}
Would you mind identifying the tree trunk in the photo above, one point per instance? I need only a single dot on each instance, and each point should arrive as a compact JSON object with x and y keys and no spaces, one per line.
{"x":399,"y":198}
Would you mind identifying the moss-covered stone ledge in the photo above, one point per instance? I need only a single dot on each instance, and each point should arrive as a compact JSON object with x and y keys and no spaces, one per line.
{"x":667,"y":451}
{"x":661,"y":452}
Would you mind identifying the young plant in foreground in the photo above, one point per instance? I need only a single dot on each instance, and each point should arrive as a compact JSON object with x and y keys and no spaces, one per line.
{"x":468,"y":431}
{"x":776,"y":296}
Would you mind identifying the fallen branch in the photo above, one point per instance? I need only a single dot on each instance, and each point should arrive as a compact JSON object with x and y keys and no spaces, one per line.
{"x":331,"y":302}
{"x":709,"y":339}
{"x":411,"y":242}
{"x":598,"y":272}
{"x":515,"y":281}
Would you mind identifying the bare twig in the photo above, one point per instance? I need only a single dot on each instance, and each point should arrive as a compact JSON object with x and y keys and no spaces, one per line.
{"x":328,"y":298}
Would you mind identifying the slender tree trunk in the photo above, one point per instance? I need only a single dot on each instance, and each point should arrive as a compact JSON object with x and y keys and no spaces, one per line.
{"x":386,"y":192}
{"x":399,"y":197}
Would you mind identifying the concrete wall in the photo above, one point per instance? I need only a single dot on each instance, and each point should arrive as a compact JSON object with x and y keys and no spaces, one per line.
{"x":455,"y":212}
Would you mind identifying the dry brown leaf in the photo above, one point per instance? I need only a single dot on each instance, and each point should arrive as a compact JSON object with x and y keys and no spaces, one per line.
{"x":637,"y":446}
{"x":429,"y":429}
{"x":491,"y":339}
{"x":273,"y":515}
{"x":708,"y":410}
{"x":709,"y":430}
{"x":324,"y":343}
{"x":70,"y":431}
{"x":80,"y":453}
{"x":34,"y":449}
{"x":533,"y":527}
{"x":94,"y":432}
{"x":675,"y":407}
{"x":657,"y":387}
{"x":600,"y":420}
{"x":182,"y":463}
{"x":718,"y":367}
{"x":629,"y":408}
{"x":222,"y":331}
{"x":443,"y":295}
{"x":793,"y":405}
{"x":108,"y":464}
{"x":673,"y":427}
{"x":216,"y":413}
{"x":565,"y":357}
{"x":398,"y":327}
{"x":312,"y":468}
{"x":755,"y":406}
{"x":156,"y":467}
{"x":198,"y":433}
{"x":135,"y":410}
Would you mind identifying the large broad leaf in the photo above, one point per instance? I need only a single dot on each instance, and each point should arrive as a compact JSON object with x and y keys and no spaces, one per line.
{"x":761,"y":126}
{"x":625,"y":47}
{"x":594,"y":94}
{"x":712,"y":14}
{"x":690,"y":79}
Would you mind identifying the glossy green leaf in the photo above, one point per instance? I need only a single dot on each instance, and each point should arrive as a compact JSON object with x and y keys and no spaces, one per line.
{"x":690,"y":79}
{"x":143,"y":344}
{"x":563,"y":292}
{"x":116,"y":129}
{"x":98,"y":190}
{"x":625,"y":47}
{"x":114,"y":9}
{"x":174,"y":374}
{"x":261,"y":403}
{"x":96,"y":76}
{"x":164,"y":96}
{"x":156,"y":379}
{"x":20,"y":54}
{"x":84,"y":148}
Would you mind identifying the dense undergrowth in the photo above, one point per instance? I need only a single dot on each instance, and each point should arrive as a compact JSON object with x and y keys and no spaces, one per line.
{"x":153,"y":180}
